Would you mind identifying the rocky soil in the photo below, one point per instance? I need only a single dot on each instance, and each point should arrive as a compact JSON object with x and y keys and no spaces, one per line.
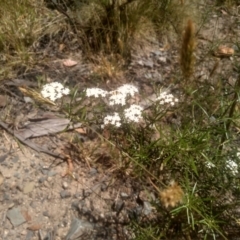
{"x":37,"y":202}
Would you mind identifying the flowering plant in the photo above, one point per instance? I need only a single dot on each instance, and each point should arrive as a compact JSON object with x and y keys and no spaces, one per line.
{"x":54,"y":91}
{"x":119,"y":100}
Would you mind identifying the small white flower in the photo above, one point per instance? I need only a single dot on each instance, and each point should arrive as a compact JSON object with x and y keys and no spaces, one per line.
{"x":54,"y":91}
{"x":117,"y":99}
{"x":52,"y":98}
{"x":96,"y":92}
{"x":133,"y":113}
{"x":232,"y":166}
{"x":117,"y":124}
{"x":112,"y":120}
{"x":210,"y":165}
{"x":127,"y":89}
{"x":58,"y":95}
{"x":65,"y":91}
{"x":165,"y":98}
{"x":119,"y":96}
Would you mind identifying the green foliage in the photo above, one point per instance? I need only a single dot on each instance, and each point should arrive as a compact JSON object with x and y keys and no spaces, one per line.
{"x":21,"y":26}
{"x":112,"y":26}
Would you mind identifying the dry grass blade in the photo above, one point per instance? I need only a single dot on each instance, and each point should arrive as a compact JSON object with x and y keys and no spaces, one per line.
{"x":35,"y":95}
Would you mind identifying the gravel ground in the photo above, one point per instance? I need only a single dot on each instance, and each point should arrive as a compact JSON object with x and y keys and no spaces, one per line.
{"x":38,"y":203}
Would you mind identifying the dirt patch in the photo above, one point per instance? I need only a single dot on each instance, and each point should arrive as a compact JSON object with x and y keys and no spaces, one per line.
{"x":94,"y":202}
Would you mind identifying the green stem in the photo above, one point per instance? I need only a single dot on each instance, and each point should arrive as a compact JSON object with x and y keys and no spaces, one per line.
{"x":231,"y":113}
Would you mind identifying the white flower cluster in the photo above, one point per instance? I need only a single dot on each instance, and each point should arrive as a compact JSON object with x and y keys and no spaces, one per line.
{"x":133,"y":113}
{"x":165,"y":98}
{"x":112,"y":120}
{"x":232,"y":166}
{"x":210,"y":165}
{"x":118,"y":97}
{"x":96,"y":92}
{"x":127,"y":89}
{"x":54,"y":91}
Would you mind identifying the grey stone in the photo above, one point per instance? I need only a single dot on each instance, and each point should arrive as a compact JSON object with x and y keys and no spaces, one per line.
{"x":45,"y":171}
{"x":46,"y":214}
{"x":42,"y":179}
{"x":148,"y":63}
{"x":92,"y":171}
{"x":83,"y":210}
{"x":34,"y":204}
{"x":19,"y":187}
{"x":148,"y":75}
{"x":87,"y":192}
{"x":74,"y":205}
{"x":65,"y":194}
{"x":51,"y":173}
{"x":15,"y":216}
{"x":6,"y":197}
{"x":104,"y":187}
{"x":157,"y":76}
{"x":162,"y":59}
{"x":30,"y":235}
{"x":17,"y":175}
{"x":157,"y":52}
{"x":137,"y":211}
{"x":147,"y":208}
{"x":118,"y":206}
{"x":124,"y":195}
{"x":15,"y":159}
{"x":77,"y":195}
{"x":79,"y":229}
{"x":50,"y":235}
{"x":33,"y":165}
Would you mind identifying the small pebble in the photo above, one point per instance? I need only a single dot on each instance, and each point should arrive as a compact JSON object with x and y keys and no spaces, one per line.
{"x":147,"y":208}
{"x":78,"y":195}
{"x":51,"y":173}
{"x":87,"y":192}
{"x":124,"y":195}
{"x":148,"y":63}
{"x":45,"y":171}
{"x":49,"y":179}
{"x":104,"y":187}
{"x":15,"y":216}
{"x":42,"y":179}
{"x":17,"y":175}
{"x":28,"y":187}
{"x":65,"y":185}
{"x":92,"y":171}
{"x":79,"y":228}
{"x":46,"y":214}
{"x":15,"y":159}
{"x":65,"y":194}
{"x":118,"y":205}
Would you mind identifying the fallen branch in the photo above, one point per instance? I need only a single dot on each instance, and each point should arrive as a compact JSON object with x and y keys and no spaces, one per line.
{"x":29,"y":143}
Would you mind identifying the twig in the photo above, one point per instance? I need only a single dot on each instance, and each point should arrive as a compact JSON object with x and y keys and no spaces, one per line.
{"x":32,"y":145}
